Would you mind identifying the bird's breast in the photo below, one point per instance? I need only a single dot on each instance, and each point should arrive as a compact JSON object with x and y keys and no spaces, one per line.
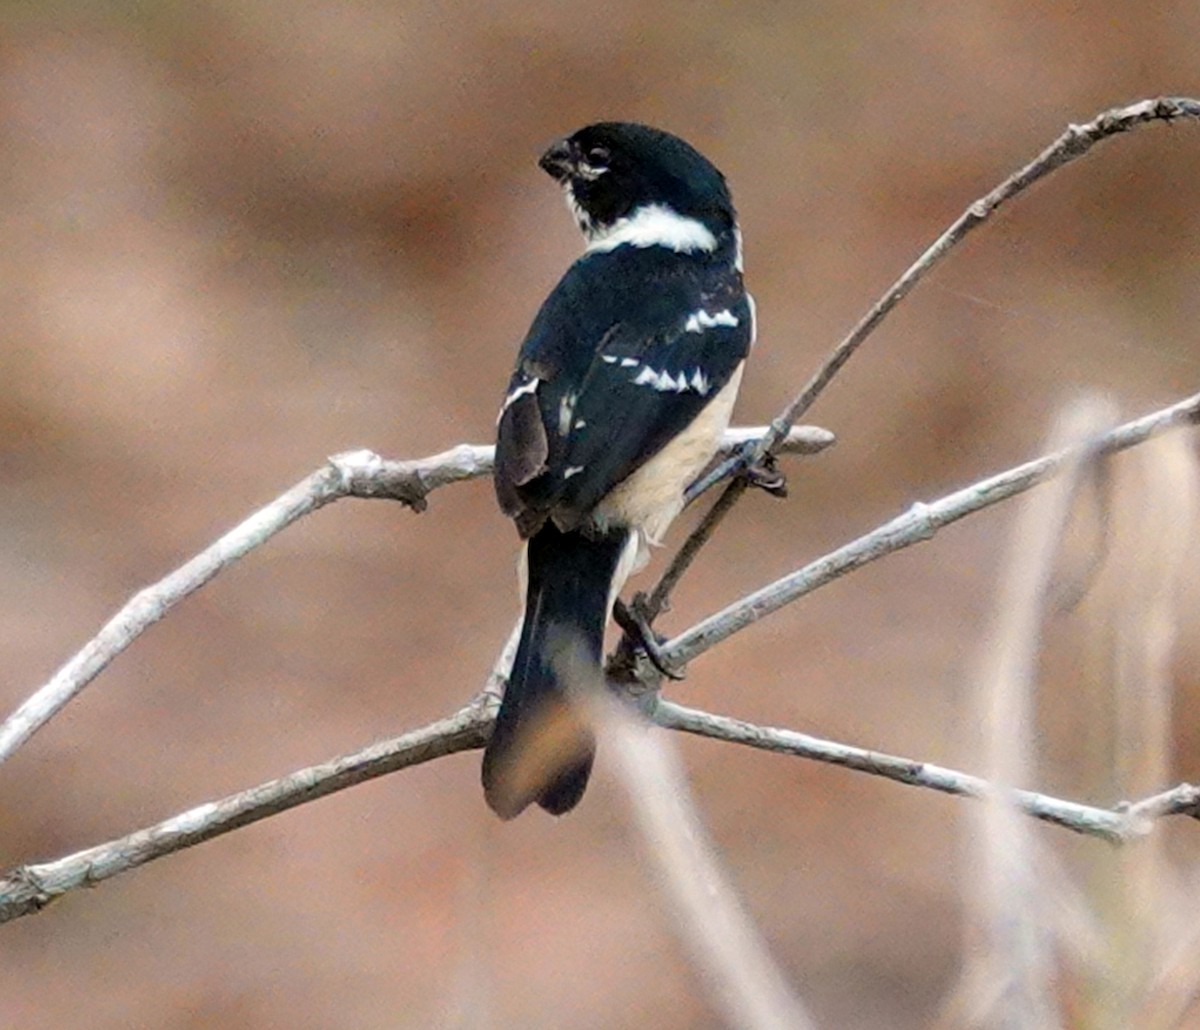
{"x":650,"y":497}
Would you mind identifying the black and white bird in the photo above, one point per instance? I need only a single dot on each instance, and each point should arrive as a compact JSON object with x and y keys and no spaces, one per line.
{"x":621,"y":392}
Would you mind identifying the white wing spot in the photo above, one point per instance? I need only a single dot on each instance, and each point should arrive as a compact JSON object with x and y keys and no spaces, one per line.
{"x":628,"y":362}
{"x":520,"y":391}
{"x":580,"y":423}
{"x":608,"y":359}
{"x":700,"y":320}
{"x":666,"y":382}
{"x":525,"y":388}
{"x":566,"y":408}
{"x":572,"y":470}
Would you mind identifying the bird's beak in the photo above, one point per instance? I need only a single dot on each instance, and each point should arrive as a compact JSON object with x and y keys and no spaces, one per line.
{"x":559,"y":160}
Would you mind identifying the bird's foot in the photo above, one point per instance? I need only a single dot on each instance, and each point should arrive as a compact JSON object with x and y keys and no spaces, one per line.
{"x":639,"y":631}
{"x":766,"y":475}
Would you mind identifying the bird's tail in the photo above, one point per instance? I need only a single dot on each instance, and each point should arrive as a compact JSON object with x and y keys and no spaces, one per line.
{"x":540,"y":750}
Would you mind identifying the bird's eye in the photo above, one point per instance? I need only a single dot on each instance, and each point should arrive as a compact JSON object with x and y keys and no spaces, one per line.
{"x":598,"y":156}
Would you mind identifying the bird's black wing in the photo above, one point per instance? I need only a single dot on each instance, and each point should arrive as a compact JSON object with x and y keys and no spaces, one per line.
{"x":624,"y":354}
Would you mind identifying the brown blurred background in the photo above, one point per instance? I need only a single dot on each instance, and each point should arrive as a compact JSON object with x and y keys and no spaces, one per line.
{"x":238,"y":237}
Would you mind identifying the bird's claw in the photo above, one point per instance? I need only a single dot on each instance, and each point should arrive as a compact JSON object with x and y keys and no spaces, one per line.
{"x":766,"y":475}
{"x":639,"y":631}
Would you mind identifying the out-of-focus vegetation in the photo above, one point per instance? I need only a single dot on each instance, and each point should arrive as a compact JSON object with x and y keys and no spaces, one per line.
{"x":237,"y":237}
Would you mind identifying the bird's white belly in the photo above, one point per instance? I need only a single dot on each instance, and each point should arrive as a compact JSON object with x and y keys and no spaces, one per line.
{"x":650,"y":498}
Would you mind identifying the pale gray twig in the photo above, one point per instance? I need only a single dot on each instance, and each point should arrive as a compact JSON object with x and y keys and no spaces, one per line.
{"x":30,"y":887}
{"x":1181,"y":800}
{"x":1076,"y":141}
{"x":920,"y":523}
{"x":1118,"y":825}
{"x":353,"y":474}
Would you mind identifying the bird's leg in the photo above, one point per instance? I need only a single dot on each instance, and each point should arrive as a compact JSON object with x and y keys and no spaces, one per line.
{"x":638,"y":630}
{"x":766,"y":475}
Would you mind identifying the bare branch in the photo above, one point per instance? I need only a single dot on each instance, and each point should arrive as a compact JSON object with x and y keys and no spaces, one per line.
{"x":1117,"y":825}
{"x":799,"y":440}
{"x":31,"y":887}
{"x":1181,"y":800}
{"x":920,"y":523}
{"x":353,"y":474}
{"x":1076,"y":141}
{"x":359,"y":473}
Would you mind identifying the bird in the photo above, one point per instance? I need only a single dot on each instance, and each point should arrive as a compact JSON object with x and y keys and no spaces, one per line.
{"x":621,"y":391}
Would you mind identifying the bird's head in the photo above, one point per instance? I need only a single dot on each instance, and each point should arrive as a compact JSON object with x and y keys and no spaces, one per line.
{"x":619,"y":176}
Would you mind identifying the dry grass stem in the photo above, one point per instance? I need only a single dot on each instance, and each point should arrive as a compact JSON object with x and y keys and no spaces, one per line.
{"x":726,"y":948}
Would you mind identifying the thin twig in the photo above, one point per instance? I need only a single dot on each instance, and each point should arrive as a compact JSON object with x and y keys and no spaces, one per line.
{"x":920,"y":523}
{"x":1118,"y":825}
{"x":1181,"y":800}
{"x":660,"y":596}
{"x":30,"y":888}
{"x":353,"y":474}
{"x":1076,"y":141}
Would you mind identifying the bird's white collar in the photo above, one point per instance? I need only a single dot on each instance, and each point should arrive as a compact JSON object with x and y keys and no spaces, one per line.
{"x":653,"y":225}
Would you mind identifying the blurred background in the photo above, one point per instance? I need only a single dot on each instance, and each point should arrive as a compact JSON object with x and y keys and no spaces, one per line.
{"x":239,"y":237}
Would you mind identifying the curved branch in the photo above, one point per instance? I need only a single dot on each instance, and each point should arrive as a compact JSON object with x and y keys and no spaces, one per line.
{"x":1118,"y":825}
{"x":353,"y":474}
{"x":920,"y":523}
{"x":1076,"y":141}
{"x":31,"y":888}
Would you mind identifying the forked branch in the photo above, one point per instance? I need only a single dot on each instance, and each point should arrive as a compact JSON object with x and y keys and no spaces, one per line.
{"x":363,"y":474}
{"x":353,"y":474}
{"x":1076,"y":141}
{"x":31,"y":887}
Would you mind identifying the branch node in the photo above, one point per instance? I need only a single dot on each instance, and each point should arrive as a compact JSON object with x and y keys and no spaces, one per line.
{"x":33,"y":895}
{"x":764,"y":474}
{"x":365,"y":474}
{"x":353,"y":466}
{"x":920,"y":518}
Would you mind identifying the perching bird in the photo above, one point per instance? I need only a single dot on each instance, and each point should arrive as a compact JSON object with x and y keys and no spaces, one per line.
{"x":621,"y":392}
